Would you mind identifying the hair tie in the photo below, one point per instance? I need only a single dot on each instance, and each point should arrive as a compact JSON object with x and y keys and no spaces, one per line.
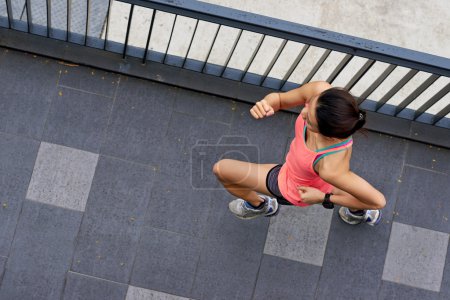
{"x":361,"y":116}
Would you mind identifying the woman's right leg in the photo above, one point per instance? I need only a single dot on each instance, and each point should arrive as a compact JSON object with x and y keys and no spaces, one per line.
{"x":243,"y":179}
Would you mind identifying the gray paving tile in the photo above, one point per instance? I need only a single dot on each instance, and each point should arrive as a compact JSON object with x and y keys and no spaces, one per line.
{"x":268,"y":135}
{"x":62,"y":176}
{"x":77,"y":119}
{"x":166,"y":261}
{"x":79,"y":286}
{"x":17,"y":157}
{"x":136,"y":293}
{"x":428,"y":157}
{"x":89,"y":79}
{"x":390,"y":290}
{"x":416,"y":257}
{"x":41,"y":252}
{"x":424,"y":200}
{"x":205,"y":106}
{"x":380,"y":168}
{"x":25,"y":89}
{"x":140,"y":119}
{"x":445,"y":285}
{"x":232,"y":234}
{"x":238,"y":271}
{"x":2,"y":267}
{"x":233,"y":248}
{"x":297,"y":234}
{"x":110,"y":231}
{"x":356,"y":252}
{"x":180,"y":145}
{"x":177,"y":207}
{"x":280,"y":278}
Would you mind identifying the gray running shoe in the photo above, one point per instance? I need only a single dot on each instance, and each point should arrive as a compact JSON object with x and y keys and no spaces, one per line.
{"x":371,"y":216}
{"x":241,"y":209}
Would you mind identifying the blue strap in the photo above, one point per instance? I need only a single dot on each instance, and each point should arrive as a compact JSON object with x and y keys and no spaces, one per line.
{"x":316,"y":160}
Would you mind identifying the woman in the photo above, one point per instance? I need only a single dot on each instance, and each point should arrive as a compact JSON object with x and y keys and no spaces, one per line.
{"x":317,"y":168}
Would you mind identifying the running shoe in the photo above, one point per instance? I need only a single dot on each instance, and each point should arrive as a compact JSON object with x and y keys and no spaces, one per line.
{"x":371,"y":216}
{"x":243,"y":210}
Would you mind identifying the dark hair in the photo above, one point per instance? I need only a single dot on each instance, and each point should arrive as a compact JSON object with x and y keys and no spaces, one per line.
{"x":338,"y":114}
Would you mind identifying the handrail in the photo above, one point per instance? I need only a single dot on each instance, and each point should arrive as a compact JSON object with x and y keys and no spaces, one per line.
{"x":301,"y":33}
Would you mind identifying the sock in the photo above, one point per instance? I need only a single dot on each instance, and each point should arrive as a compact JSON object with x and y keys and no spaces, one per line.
{"x":359,"y":212}
{"x":249,"y":205}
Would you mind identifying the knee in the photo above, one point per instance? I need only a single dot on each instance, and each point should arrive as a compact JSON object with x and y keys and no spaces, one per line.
{"x":218,"y":169}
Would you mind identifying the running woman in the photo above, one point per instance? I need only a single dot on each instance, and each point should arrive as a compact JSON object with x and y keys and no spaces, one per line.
{"x":317,"y":167}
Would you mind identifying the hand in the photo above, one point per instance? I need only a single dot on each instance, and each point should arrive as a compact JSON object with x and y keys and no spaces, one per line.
{"x":310,"y":195}
{"x":262,"y":109}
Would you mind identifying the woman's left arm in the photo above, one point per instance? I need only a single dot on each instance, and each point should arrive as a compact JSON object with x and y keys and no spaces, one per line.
{"x":350,"y":191}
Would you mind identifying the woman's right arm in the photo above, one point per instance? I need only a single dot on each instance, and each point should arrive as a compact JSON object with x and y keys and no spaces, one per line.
{"x":273,"y":102}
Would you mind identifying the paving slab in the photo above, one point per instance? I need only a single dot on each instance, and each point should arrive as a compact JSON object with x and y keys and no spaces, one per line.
{"x":175,"y":206}
{"x":280,"y":278}
{"x":269,"y":135}
{"x":172,"y":266}
{"x":296,"y":234}
{"x":180,"y":146}
{"x":136,"y":293}
{"x":20,"y":112}
{"x":109,"y":235}
{"x":395,"y":291}
{"x":349,"y":246}
{"x":212,"y":108}
{"x":79,"y":286}
{"x":428,"y":157}
{"x":17,"y":158}
{"x":77,"y":119}
{"x":62,"y":176}
{"x":41,"y":252}
{"x":140,"y":119}
{"x":3,"y":261}
{"x":424,"y":200}
{"x":381,"y":169}
{"x":89,"y":79}
{"x":416,"y":257}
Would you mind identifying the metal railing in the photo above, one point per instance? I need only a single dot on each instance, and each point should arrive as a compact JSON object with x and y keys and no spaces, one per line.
{"x":246,"y":47}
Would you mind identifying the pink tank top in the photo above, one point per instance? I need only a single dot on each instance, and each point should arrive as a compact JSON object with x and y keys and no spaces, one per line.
{"x":299,"y":167}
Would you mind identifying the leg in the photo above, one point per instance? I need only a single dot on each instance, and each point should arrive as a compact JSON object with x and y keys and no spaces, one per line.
{"x":243,"y":179}
{"x":354,"y":216}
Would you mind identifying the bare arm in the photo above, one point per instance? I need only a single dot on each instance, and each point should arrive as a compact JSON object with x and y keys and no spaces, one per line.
{"x":350,"y":189}
{"x":273,"y":102}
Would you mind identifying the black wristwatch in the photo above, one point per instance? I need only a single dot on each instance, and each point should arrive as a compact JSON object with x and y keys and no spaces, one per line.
{"x":326,"y":201}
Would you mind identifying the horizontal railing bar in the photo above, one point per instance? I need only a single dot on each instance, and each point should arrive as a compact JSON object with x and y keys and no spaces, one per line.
{"x":302,"y":34}
{"x":396,"y":88}
{"x":416,"y":93}
{"x":439,"y":95}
